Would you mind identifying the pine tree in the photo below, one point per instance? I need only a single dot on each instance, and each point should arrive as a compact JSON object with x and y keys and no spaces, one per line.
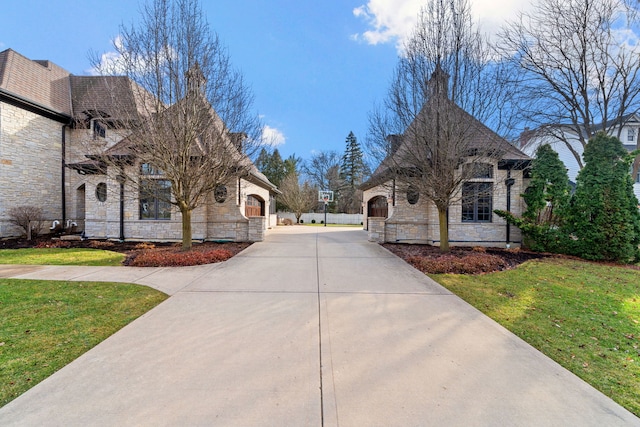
{"x":604,"y":218}
{"x":272,"y":166}
{"x":352,"y":172}
{"x":352,"y":167}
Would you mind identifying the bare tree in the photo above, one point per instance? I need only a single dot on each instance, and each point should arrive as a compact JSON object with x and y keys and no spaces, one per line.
{"x":192,"y":128}
{"x":425,"y":131}
{"x":321,"y":168}
{"x":579,"y":62}
{"x":29,"y":218}
{"x":298,"y":198}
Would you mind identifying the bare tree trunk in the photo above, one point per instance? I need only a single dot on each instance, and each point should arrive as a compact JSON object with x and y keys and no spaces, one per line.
{"x":444,"y":230}
{"x":186,"y":227}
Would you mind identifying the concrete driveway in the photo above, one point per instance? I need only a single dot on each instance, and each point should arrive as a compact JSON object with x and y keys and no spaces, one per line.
{"x":313,"y":327}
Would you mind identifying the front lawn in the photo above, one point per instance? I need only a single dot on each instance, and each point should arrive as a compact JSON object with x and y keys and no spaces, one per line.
{"x":44,"y":325}
{"x":61,"y":256}
{"x":585,"y":316}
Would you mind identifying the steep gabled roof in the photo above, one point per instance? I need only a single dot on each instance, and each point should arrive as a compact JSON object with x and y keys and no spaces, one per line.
{"x":478,"y":135}
{"x":39,"y":83}
{"x":108,"y":97}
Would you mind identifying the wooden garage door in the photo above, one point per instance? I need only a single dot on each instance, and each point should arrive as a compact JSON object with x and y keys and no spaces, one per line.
{"x":254,"y":207}
{"x":378,"y":207}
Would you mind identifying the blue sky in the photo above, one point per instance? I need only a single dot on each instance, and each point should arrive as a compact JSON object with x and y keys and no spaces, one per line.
{"x":316,"y":67}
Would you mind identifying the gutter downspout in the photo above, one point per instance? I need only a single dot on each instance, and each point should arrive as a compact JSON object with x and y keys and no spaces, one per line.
{"x":63,"y":174}
{"x":121,"y":179}
{"x":509,"y":182}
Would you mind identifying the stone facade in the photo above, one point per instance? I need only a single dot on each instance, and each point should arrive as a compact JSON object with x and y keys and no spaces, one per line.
{"x":211,"y":221}
{"x":418,"y":223}
{"x":48,"y":125}
{"x":30,"y":164}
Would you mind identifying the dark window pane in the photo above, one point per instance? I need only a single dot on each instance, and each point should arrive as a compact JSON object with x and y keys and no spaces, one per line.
{"x":154,"y":199}
{"x":476,"y":202}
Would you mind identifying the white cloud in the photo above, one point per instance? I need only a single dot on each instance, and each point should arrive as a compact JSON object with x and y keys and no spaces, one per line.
{"x":110,"y":62}
{"x":272,"y":136}
{"x":393,"y":20}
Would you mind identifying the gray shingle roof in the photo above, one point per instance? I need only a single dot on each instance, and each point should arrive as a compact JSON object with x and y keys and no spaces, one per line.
{"x":41,"y":82}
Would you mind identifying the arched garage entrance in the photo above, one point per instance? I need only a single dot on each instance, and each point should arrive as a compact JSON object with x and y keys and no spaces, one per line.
{"x":254,"y":206}
{"x":378,"y":207}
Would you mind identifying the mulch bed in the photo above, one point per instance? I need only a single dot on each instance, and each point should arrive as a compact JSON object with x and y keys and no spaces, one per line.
{"x":133,"y":249}
{"x":461,"y":260}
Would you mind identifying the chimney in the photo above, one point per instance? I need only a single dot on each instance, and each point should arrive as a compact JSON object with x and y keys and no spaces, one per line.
{"x":438,"y":84}
{"x":195,"y":80}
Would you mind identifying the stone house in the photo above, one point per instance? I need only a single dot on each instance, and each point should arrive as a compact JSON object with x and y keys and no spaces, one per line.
{"x":48,"y":118}
{"x":396,"y":212}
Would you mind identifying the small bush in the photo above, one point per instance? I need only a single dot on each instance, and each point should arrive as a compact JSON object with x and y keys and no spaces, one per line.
{"x":322,"y":222}
{"x":301,"y":221}
{"x":29,"y":218}
{"x":474,"y":263}
{"x":53,"y":244}
{"x":178,"y":259}
{"x":313,"y":221}
{"x":99,"y":244}
{"x":144,"y":245}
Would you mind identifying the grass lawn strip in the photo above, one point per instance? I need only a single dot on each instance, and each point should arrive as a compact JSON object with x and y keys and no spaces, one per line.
{"x":585,"y":316}
{"x":61,"y":256}
{"x":44,"y":325}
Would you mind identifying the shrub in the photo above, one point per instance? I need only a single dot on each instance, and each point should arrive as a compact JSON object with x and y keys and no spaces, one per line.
{"x":29,"y":218}
{"x":178,"y":259}
{"x":301,"y":221}
{"x":145,"y":245}
{"x":604,"y":217}
{"x":53,"y":244}
{"x":313,"y":221}
{"x":321,"y":221}
{"x":99,"y":244}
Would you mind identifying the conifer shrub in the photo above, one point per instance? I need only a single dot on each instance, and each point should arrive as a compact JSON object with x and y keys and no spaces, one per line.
{"x":603,"y":220}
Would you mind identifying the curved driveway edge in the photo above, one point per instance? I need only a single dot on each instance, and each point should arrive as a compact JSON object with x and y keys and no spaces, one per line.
{"x":313,"y":327}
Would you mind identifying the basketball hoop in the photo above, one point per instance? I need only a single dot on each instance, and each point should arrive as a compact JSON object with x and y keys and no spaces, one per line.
{"x":325,"y":196}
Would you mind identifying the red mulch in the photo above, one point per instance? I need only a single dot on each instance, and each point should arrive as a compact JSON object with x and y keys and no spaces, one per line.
{"x":461,"y":260}
{"x":142,"y":254}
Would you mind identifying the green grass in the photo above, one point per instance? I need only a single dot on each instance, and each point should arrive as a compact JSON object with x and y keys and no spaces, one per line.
{"x":44,"y":325}
{"x":585,"y":316}
{"x":61,"y":256}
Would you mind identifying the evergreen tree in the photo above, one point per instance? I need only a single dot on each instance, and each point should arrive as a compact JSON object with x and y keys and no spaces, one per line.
{"x":547,"y":199}
{"x":604,"y":219}
{"x":352,"y":172}
{"x":352,"y":167}
{"x":272,"y":166}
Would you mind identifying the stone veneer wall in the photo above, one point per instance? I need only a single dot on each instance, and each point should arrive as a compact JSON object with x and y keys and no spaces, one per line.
{"x":419,"y":223}
{"x":377,"y":229}
{"x":257,"y":227}
{"x":30,"y":165}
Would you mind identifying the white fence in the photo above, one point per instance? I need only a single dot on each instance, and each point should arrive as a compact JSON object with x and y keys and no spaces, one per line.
{"x":332,"y":218}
